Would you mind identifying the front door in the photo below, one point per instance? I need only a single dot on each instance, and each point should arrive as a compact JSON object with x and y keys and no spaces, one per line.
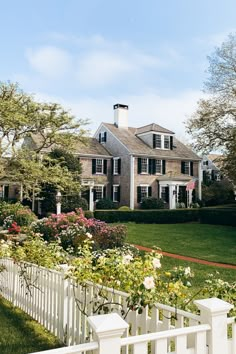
{"x":182,"y":195}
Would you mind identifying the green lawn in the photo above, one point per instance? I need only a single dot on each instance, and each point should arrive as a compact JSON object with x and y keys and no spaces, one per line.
{"x":210,"y":242}
{"x":19,"y":334}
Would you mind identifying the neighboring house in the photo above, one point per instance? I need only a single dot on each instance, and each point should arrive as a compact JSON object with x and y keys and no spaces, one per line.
{"x":147,"y":161}
{"x":128,"y":164}
{"x":211,"y":168}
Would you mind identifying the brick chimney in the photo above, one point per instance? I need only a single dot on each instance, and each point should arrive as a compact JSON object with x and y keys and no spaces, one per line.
{"x":121,"y":115}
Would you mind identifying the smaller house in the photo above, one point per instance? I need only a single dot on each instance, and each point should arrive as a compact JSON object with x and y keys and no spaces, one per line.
{"x":211,"y":168}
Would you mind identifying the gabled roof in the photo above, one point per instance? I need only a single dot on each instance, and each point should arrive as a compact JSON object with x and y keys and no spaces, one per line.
{"x":153,"y":128}
{"x":136,"y":146}
{"x":91,"y":147}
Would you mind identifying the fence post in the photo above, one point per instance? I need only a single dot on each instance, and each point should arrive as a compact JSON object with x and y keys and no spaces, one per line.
{"x":108,"y":329}
{"x":214,"y":312}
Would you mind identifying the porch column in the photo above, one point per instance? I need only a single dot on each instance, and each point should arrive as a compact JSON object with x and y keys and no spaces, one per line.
{"x":91,"y":206}
{"x":172,"y":204}
{"x":199,"y":181}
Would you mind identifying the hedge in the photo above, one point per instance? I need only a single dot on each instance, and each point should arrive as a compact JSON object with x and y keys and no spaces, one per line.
{"x":148,"y":216}
{"x":217,"y":216}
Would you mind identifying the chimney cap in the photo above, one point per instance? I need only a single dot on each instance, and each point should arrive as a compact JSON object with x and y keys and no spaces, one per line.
{"x":118,"y":105}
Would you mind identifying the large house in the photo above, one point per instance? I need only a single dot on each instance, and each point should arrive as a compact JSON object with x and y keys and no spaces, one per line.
{"x":140,"y":162}
{"x":128,"y":164}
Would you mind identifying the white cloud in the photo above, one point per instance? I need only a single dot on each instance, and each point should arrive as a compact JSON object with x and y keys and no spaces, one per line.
{"x":49,"y":61}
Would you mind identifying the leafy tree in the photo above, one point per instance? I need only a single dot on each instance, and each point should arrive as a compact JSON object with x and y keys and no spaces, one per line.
{"x":22,"y":116}
{"x":216,"y":193}
{"x":213,"y":125}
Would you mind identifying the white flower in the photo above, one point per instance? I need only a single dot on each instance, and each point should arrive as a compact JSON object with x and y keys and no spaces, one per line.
{"x":127,"y":258}
{"x":156,"y":263}
{"x":187,"y":271}
{"x":89,"y":235}
{"x":149,"y":282}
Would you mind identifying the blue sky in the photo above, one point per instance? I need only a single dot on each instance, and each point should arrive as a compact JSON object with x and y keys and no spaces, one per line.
{"x":89,"y":55}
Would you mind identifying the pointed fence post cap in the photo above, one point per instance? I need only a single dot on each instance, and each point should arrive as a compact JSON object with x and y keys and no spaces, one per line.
{"x":213,"y":305}
{"x":110,"y":324}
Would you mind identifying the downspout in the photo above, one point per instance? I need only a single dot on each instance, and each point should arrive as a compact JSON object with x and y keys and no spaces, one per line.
{"x":131,"y":203}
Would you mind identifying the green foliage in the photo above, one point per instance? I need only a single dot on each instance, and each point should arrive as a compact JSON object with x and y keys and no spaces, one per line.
{"x":73,"y":202}
{"x":148,"y":216}
{"x":105,"y":203}
{"x":152,"y":203}
{"x":22,"y":215}
{"x":217,"y":193}
{"x":218,"y":216}
{"x":88,"y":214}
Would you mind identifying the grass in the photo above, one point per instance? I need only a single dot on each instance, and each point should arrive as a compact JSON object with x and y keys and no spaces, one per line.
{"x":20,"y":334}
{"x":209,"y":242}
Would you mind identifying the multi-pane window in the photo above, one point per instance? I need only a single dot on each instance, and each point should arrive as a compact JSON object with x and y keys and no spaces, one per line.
{"x":163,"y":193}
{"x":144,"y":192}
{"x":144,"y":165}
{"x":166,"y":142}
{"x":158,"y":166}
{"x":99,"y":166}
{"x":98,"y":192}
{"x":116,"y":193}
{"x":157,"y":140}
{"x":205,"y":163}
{"x":116,"y":167}
{"x":186,"y":168}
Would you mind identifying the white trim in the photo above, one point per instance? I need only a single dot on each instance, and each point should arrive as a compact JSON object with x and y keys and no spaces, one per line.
{"x":115,"y":159}
{"x":131,"y":202}
{"x":155,"y":132}
{"x":114,"y":185}
{"x":199,"y":181}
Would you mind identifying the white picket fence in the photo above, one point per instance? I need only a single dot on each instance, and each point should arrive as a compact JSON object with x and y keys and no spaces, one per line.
{"x":62,"y":306}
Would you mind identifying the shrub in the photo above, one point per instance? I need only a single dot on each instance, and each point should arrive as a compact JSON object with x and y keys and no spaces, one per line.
{"x":218,"y":216}
{"x":22,"y":215}
{"x":105,"y":203}
{"x":124,"y":208}
{"x":73,"y":202}
{"x":152,"y":203}
{"x":88,"y":214}
{"x":148,"y":216}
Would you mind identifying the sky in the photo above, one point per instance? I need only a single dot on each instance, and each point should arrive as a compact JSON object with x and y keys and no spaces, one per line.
{"x":89,"y":55}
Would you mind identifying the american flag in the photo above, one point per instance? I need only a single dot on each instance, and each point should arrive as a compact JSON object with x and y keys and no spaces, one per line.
{"x":190,"y":185}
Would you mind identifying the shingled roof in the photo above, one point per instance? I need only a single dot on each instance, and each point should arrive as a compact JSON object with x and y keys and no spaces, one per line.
{"x":152,"y":127}
{"x":137,"y":146}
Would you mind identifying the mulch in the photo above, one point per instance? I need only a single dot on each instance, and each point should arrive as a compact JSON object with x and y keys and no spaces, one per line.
{"x":189,"y":259}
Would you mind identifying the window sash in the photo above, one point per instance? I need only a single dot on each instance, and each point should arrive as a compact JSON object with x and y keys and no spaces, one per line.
{"x":187,"y":168}
{"x":99,"y":166}
{"x":166,"y":142}
{"x":158,"y":141}
{"x":115,"y":193}
{"x":144,"y":165}
{"x":144,"y":192}
{"x":159,"y":166}
{"x":99,"y":192}
{"x":116,"y":167}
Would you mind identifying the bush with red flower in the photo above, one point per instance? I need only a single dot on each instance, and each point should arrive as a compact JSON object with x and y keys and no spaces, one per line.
{"x":14,"y":228}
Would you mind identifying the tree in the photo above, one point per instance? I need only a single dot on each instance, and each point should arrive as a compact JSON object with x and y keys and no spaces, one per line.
{"x":21,"y":116}
{"x":213,"y":125}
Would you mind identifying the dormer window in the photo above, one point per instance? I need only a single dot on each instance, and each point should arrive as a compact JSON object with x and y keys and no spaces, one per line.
{"x":102,"y":137}
{"x":162,"y":141}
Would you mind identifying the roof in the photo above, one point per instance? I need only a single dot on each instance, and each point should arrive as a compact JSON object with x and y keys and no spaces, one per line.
{"x":91,"y":147}
{"x":153,"y":127}
{"x":137,"y":146}
{"x":216,"y":159}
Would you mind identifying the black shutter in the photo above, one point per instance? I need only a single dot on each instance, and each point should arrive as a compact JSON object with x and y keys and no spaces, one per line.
{"x":171,"y":142}
{"x":93,"y":166}
{"x":112,"y":166}
{"x":100,"y":137}
{"x":105,"y":137}
{"x":182,"y":166}
{"x":154,"y":141}
{"x":163,"y":167}
{"x":118,"y":194}
{"x":139,"y":165}
{"x":191,"y":168}
{"x":150,"y":191}
{"x":104,"y":191}
{"x":150,"y":166}
{"x":119,"y":166}
{"x":139,"y":194}
{"x":112,"y":190}
{"x":105,"y":167}
{"x":94,"y":195}
{"x":154,"y":167}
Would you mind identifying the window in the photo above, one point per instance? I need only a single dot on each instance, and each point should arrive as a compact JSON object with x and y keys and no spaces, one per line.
{"x":187,"y":168}
{"x":116,"y":193}
{"x":116,"y":166}
{"x":98,"y":192}
{"x":143,"y":191}
{"x":99,"y":165}
{"x":205,"y":163}
{"x":102,"y":137}
{"x":157,"y":140}
{"x":163,"y":193}
{"x":144,"y":165}
{"x":166,"y":142}
{"x":158,"y":166}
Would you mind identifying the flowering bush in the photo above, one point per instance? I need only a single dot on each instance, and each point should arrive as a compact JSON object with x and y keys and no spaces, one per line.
{"x":14,"y":228}
{"x":72,"y":229}
{"x":22,"y":215}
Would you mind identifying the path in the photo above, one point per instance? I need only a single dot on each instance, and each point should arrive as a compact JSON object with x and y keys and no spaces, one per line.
{"x":189,"y":259}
